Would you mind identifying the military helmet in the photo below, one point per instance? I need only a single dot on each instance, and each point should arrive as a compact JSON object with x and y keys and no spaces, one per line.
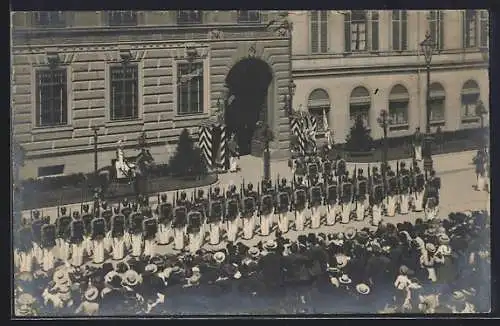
{"x":63,"y":210}
{"x":200,"y":192}
{"x":163,"y":198}
{"x":402,"y":164}
{"x":125,"y":201}
{"x":299,"y":179}
{"x":217,"y":190}
{"x":85,"y":208}
{"x":104,"y":204}
{"x":76,"y":214}
{"x":250,"y":186}
{"x":183,"y":195}
{"x":360,"y":171}
{"x":116,"y":209}
{"x":283,"y":181}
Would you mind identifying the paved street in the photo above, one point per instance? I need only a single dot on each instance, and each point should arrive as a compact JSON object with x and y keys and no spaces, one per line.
{"x":457,"y":194}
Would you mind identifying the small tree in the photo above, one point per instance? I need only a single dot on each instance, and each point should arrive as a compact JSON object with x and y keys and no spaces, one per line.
{"x":187,"y":161}
{"x":359,"y":138}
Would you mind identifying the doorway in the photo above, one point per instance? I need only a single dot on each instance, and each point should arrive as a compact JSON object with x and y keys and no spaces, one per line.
{"x":248,"y":83}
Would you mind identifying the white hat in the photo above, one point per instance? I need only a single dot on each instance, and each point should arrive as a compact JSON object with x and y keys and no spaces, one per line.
{"x":344,"y":279}
{"x":430,"y":247}
{"x":61,"y":277}
{"x":92,"y":293}
{"x":26,"y":299}
{"x":403,"y":270}
{"x":362,"y":288}
{"x":350,"y":233}
{"x":109,"y":276}
{"x":458,"y":296}
{"x":237,"y":275}
{"x":270,"y":244}
{"x":254,"y":251}
{"x":342,"y":260}
{"x":195,"y":269}
{"x":219,"y":257}
{"x":194,"y":279}
{"x":151,"y":268}
{"x":131,"y":278}
{"x":334,"y":281}
{"x":443,"y":239}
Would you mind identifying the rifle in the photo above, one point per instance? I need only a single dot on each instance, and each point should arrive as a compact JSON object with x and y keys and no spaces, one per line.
{"x":369,"y":183}
{"x":397,"y":175}
{"x":355,"y":186}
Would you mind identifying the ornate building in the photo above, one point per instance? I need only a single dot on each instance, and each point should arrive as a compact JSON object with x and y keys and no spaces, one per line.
{"x":123,"y":73}
{"x":362,"y":62}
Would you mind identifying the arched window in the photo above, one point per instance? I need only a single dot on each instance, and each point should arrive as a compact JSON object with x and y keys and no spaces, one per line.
{"x":398,"y":107}
{"x":437,"y":99}
{"x":469,"y":98}
{"x":359,"y":104}
{"x":318,"y":105}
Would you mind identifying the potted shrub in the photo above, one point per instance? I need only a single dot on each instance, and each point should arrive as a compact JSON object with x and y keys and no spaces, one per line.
{"x":187,"y":162}
{"x":359,"y":142}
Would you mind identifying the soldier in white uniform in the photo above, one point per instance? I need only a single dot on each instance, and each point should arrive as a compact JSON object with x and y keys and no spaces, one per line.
{"x":232,"y":216}
{"x":36,"y":227}
{"x":418,"y":190}
{"x":215,"y":215}
{"x":194,"y":230}
{"x":332,"y":200}
{"x":48,"y":246}
{"x":118,"y":236}
{"x":316,"y":201}
{"x":165,"y":217}
{"x":179,"y":226}
{"x":150,"y":229}
{"x":392,"y":192}
{"x":248,"y":214}
{"x":284,"y":206}
{"x":361,"y":187}
{"x":300,"y":202}
{"x":98,"y":235}
{"x":24,"y":250}
{"x":404,"y":189}
{"x":266,"y":213}
{"x":87,"y":235}
{"x":346,"y":199}
{"x":63,"y":233}
{"x":136,"y":233}
{"x":77,"y":230}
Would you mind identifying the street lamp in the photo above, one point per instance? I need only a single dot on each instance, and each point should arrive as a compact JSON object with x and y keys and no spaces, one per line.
{"x":481,"y":111}
{"x":289,"y":97}
{"x":384,"y":121}
{"x":427,"y":46}
{"x":95,"y":128}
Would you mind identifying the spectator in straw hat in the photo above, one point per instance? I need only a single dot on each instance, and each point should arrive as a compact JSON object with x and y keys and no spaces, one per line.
{"x":25,"y":306}
{"x":89,"y":305}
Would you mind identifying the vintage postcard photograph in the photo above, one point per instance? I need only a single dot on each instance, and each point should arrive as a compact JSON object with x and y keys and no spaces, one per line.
{"x":250,"y":162}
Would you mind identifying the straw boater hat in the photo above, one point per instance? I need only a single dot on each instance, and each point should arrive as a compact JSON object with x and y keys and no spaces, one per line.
{"x":350,"y":233}
{"x":362,"y":288}
{"x":131,"y":278}
{"x":195,"y":269}
{"x":430,"y":247}
{"x":443,"y":239}
{"x":458,"y":296}
{"x":61,"y":277}
{"x":194,"y":279}
{"x":342,"y":260}
{"x":91,"y":294}
{"x":270,"y":244}
{"x":403,"y":270}
{"x":254,"y":252}
{"x":219,"y":257}
{"x":151,"y":268}
{"x":25,"y":299}
{"x":344,"y":279}
{"x":335,"y":281}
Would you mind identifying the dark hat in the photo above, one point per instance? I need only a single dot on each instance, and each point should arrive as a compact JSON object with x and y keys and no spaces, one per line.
{"x":250,"y":186}
{"x":122,"y":267}
{"x":311,"y":238}
{"x":183,"y":195}
{"x":116,"y":209}
{"x":76,"y":215}
{"x":302,"y":239}
{"x":104,"y":204}
{"x":216,"y":189}
{"x":163,"y":198}
{"x":283,"y":180}
{"x":433,"y":173}
{"x":200,"y":192}
{"x":125,"y":201}
{"x":402,"y":164}
{"x":360,"y":171}
{"x":85,"y":208}
{"x":36,"y":214}
{"x":63,"y":210}
{"x":107,"y":267}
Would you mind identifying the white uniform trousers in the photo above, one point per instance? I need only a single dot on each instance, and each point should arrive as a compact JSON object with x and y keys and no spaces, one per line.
{"x":232,"y":230}
{"x":98,"y":250}
{"x":300,"y":220}
{"x":481,"y":182}
{"x":346,"y":213}
{"x":77,"y":254}
{"x":315,"y":217}
{"x":150,"y":247}
{"x":376,"y":215}
{"x":418,"y":201}
{"x":179,"y":234}
{"x":404,"y":204}
{"x":233,"y":164}
{"x":391,"y":206}
{"x":118,"y":248}
{"x":65,"y":251}
{"x":37,"y":253}
{"x":164,"y":232}
{"x":331,"y":217}
{"x":136,"y":240}
{"x":25,"y":261}
{"x":283,"y":222}
{"x":418,"y":152}
{"x":214,"y":238}
{"x":431,"y":212}
{"x":248,"y":227}
{"x":266,"y":224}
{"x":360,"y":210}
{"x":108,"y":242}
{"x":195,"y":241}
{"x":87,"y":245}
{"x":59,"y":248}
{"x":48,"y":259}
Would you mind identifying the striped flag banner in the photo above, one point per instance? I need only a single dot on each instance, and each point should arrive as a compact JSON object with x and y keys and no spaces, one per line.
{"x":205,"y":142}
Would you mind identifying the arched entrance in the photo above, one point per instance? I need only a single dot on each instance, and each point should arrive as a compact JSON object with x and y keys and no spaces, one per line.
{"x":248,"y":83}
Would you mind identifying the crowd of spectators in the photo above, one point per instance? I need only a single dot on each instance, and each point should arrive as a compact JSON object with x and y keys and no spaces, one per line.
{"x":439,"y":266}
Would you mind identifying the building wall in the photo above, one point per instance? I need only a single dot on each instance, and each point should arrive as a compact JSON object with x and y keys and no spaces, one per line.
{"x":88,"y":52}
{"x":339,"y":73}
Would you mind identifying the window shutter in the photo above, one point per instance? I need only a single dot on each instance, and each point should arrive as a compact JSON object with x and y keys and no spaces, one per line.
{"x":441,"y":29}
{"x":483,"y":28}
{"x":374,"y":36}
{"x":404,"y":30}
{"x":464,"y":29}
{"x":324,"y":31}
{"x":432,"y":26}
{"x":395,"y":30}
{"x":64,"y":106}
{"x":347,"y":32}
{"x":314,"y":32}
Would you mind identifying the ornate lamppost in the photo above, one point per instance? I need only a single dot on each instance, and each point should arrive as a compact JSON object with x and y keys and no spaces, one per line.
{"x":481,"y":111}
{"x":384,"y":121}
{"x":96,"y":128}
{"x":289,"y":97}
{"x":427,"y":46}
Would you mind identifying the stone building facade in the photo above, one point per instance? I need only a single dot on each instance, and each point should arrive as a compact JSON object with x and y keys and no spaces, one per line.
{"x":126,"y":73}
{"x":362,"y":62}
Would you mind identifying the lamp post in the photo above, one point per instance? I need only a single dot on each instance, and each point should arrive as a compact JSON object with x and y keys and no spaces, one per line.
{"x":481,"y":111}
{"x":427,"y":47}
{"x":267,"y":136}
{"x":289,"y":97}
{"x":384,"y":120}
{"x":95,"y":128}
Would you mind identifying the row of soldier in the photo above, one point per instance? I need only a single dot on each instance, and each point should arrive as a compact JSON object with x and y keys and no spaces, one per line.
{"x":136,"y":229}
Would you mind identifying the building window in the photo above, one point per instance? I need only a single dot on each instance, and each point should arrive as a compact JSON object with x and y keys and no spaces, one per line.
{"x":484,"y":25}
{"x":361,"y":31}
{"x":51,"y":97}
{"x":50,"y":171}
{"x":122,"y":18}
{"x":124,"y":92}
{"x":318,"y":105}
{"x":398,"y":108}
{"x":190,"y":90}
{"x":436,"y":28}
{"x":359,"y":105}
{"x":469,"y":98}
{"x":49,"y":19}
{"x":437,"y":99}
{"x":470,"y":28}
{"x":399,"y":30}
{"x":319,"y":31}
{"x":189,"y":17}
{"x":249,"y":16}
